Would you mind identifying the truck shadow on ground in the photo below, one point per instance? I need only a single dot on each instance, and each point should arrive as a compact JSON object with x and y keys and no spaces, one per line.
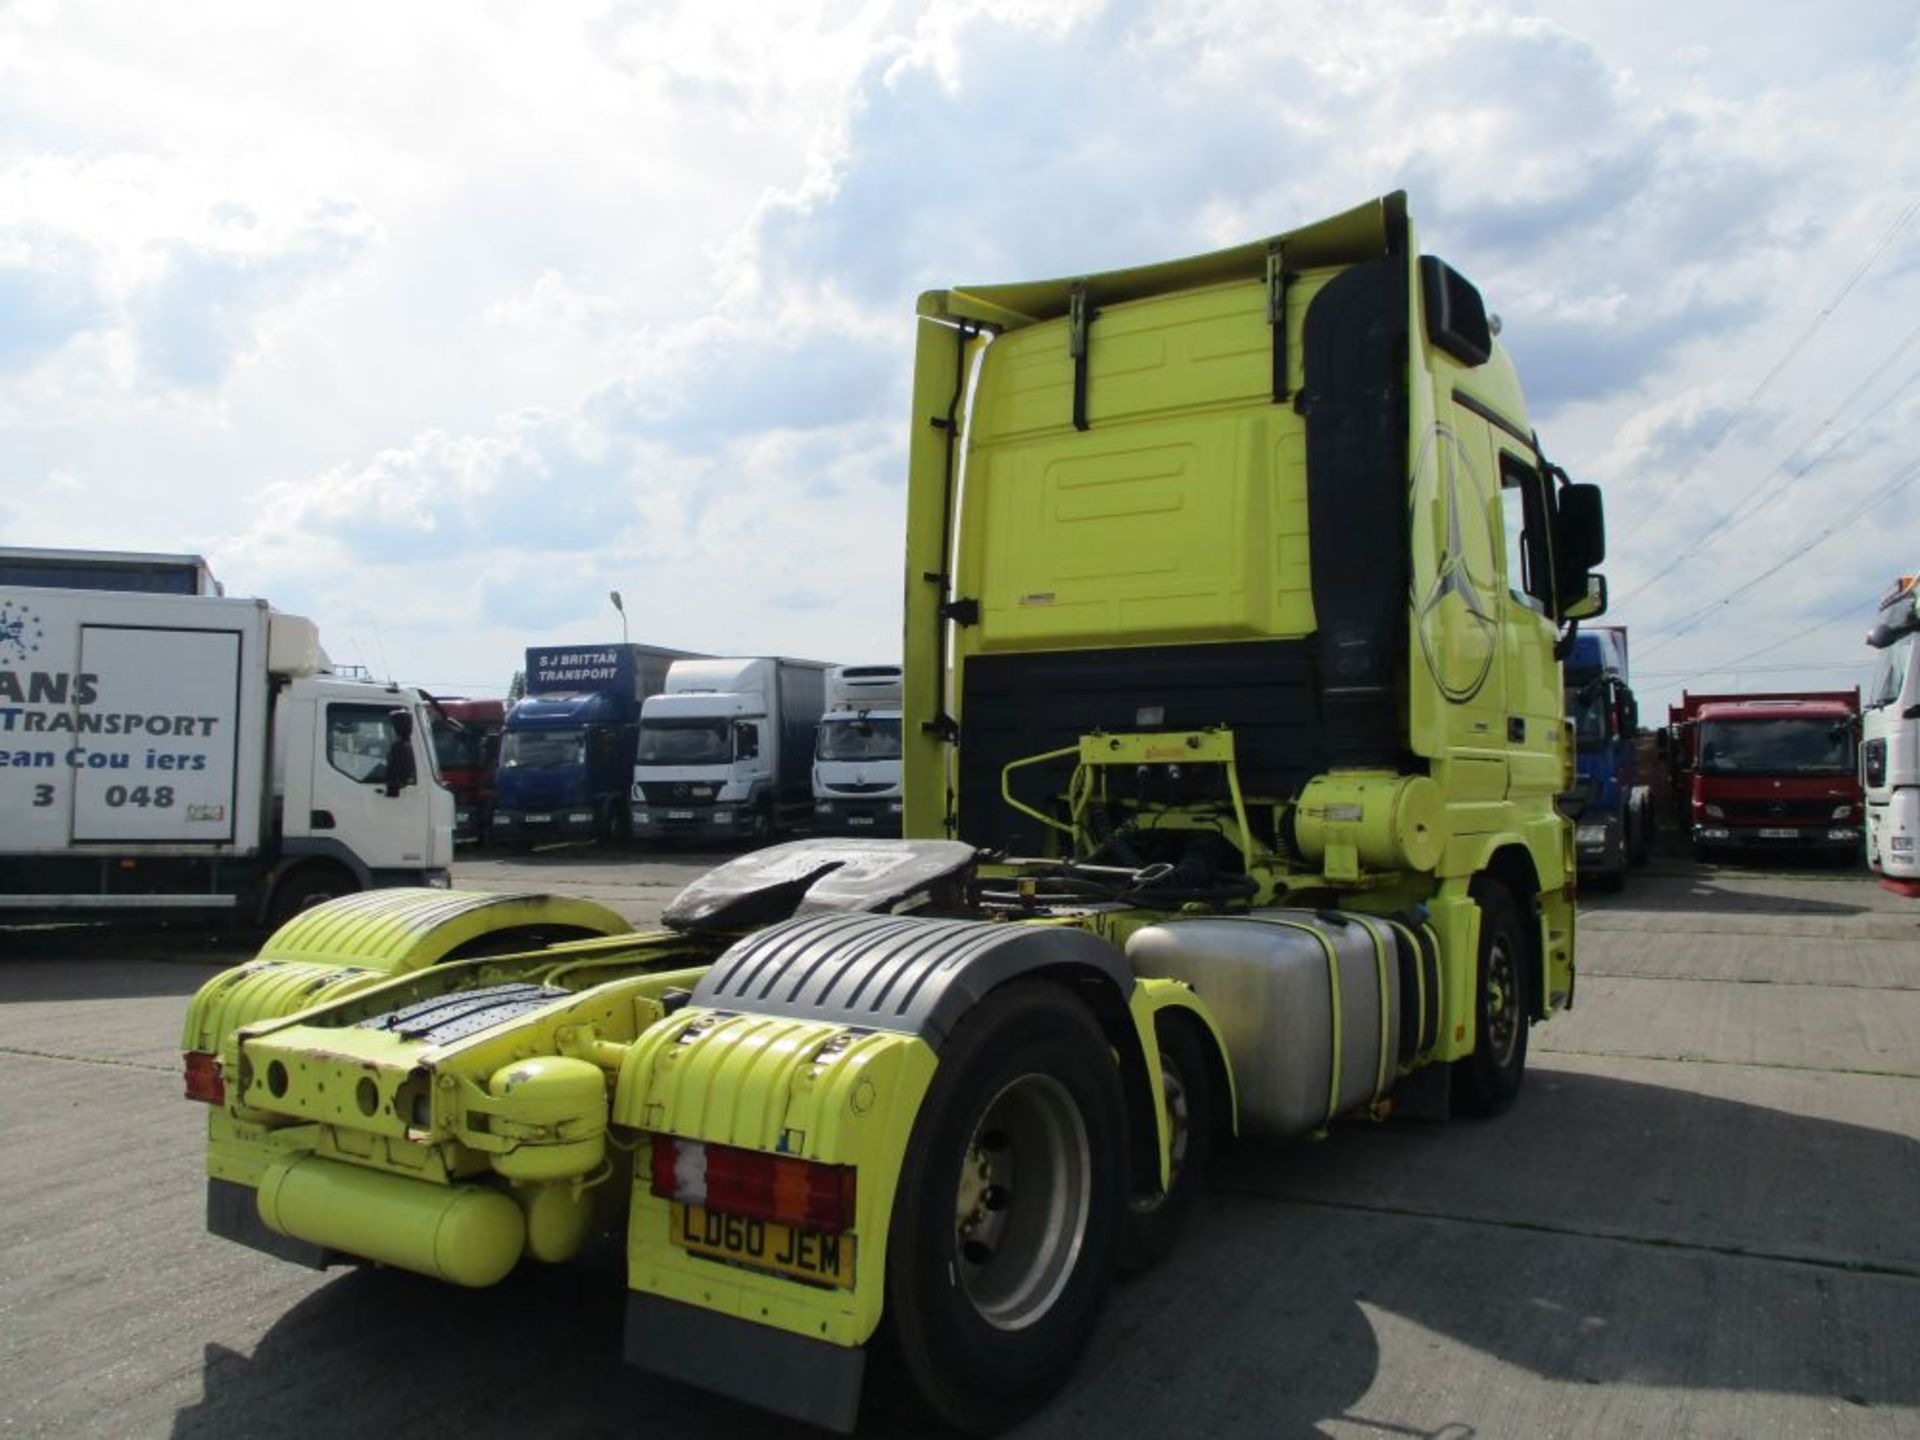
{"x":95,"y":977}
{"x":1684,"y":1241}
{"x":200,"y":943}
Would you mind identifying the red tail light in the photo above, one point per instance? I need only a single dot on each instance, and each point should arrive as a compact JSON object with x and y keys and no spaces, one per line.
{"x":806,"y":1194}
{"x":203,"y":1078}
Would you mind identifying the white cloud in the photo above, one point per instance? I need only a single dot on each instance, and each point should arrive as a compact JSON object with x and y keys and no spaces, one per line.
{"x":440,"y":323}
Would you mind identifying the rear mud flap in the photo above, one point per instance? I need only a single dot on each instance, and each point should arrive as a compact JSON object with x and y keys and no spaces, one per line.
{"x":233,"y":1213}
{"x":791,"y":1375}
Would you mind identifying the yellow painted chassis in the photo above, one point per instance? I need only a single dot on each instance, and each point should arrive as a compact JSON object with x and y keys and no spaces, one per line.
{"x":809,"y":1088}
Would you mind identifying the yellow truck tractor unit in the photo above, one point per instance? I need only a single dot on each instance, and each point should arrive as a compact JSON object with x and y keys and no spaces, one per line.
{"x":1236,"y":591}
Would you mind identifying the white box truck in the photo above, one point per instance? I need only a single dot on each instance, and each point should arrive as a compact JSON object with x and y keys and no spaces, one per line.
{"x":190,"y":752}
{"x":856,"y":753}
{"x":726,"y":750}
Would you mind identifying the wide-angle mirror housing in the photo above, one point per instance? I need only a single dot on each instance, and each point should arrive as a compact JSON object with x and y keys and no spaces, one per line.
{"x":1593,"y":604}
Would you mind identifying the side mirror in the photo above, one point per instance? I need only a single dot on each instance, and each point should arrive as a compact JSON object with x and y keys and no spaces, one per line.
{"x":1583,"y":529}
{"x":1590,"y":606}
{"x":401,"y":771}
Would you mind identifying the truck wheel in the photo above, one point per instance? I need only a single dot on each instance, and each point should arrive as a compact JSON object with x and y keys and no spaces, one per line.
{"x":1486,"y":1081}
{"x":762,"y":829}
{"x":1153,"y":1222}
{"x":305,"y":889}
{"x":1008,"y":1211}
{"x":1640,"y":850}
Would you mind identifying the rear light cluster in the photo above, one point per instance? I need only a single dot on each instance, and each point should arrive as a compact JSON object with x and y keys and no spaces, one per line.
{"x":805,"y":1194}
{"x":203,"y":1078}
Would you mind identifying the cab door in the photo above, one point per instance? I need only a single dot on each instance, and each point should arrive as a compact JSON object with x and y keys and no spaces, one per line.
{"x":353,"y":741}
{"x":1534,"y":708}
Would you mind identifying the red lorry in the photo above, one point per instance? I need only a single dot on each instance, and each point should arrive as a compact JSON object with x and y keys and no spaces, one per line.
{"x":466,"y":744}
{"x":1768,"y":772}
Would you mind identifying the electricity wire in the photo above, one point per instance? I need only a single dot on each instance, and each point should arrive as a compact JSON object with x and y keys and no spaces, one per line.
{"x":1793,"y":350}
{"x":1764,"y":496}
{"x":1690,"y":621}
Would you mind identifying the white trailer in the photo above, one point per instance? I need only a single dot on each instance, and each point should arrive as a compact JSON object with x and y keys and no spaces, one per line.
{"x":726,"y":749}
{"x":856,"y":754}
{"x":189,"y":752}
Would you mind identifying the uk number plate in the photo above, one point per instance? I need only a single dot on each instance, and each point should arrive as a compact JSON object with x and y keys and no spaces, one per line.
{"x":679,"y":814}
{"x":859,"y":820}
{"x":765,"y":1245}
{"x":1779,"y":834}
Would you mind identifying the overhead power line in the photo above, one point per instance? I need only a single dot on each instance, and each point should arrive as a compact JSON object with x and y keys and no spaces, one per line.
{"x":1792,"y":352}
{"x":1676,"y":629}
{"x":1741,"y":662}
{"x":1768,"y":492}
{"x":1811,"y":667}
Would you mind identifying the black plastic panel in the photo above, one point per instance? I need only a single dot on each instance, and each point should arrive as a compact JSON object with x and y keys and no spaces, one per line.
{"x":233,"y":1213}
{"x":892,"y":972}
{"x":1356,"y":413}
{"x":808,"y":876}
{"x":792,"y":1375}
{"x":1019,"y":705}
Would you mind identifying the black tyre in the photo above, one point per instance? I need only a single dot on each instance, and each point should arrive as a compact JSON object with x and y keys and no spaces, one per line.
{"x":1009,"y":1209}
{"x":305,"y":889}
{"x":1640,"y":847}
{"x":1486,"y":1082}
{"x":762,"y":832}
{"x":1153,"y":1222}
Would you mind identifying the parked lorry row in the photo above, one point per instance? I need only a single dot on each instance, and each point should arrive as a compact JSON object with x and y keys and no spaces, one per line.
{"x":1233,"y":735}
{"x":567,"y":754}
{"x":164,"y":747}
{"x":635,"y":742}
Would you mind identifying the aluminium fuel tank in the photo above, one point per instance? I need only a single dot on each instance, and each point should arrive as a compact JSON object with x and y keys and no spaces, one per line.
{"x":1318,"y":1008}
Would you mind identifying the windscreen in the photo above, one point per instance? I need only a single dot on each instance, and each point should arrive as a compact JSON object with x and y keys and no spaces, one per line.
{"x":1776,"y":746}
{"x":1587,"y":708}
{"x":458,"y":749}
{"x":1890,"y":673}
{"x":685,"y":742}
{"x":858,"y":740}
{"x":543,"y":749}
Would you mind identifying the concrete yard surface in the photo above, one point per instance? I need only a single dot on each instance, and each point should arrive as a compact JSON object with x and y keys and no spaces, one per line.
{"x":1701,"y":1219}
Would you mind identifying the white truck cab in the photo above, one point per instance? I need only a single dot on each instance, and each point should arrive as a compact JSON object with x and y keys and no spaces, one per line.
{"x":194,"y":752}
{"x":856,"y":753}
{"x":724,"y":749}
{"x":1890,"y":742}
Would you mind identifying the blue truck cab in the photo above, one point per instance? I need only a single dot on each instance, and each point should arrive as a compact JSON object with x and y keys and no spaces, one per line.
{"x":1611,"y":809}
{"x":567,"y":751}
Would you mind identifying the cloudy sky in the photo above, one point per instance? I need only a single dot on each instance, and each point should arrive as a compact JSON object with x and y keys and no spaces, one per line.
{"x":437,"y":323}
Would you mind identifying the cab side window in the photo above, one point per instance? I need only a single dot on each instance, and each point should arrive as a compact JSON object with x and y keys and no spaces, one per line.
{"x":1523,"y":513}
{"x":358,"y":738}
